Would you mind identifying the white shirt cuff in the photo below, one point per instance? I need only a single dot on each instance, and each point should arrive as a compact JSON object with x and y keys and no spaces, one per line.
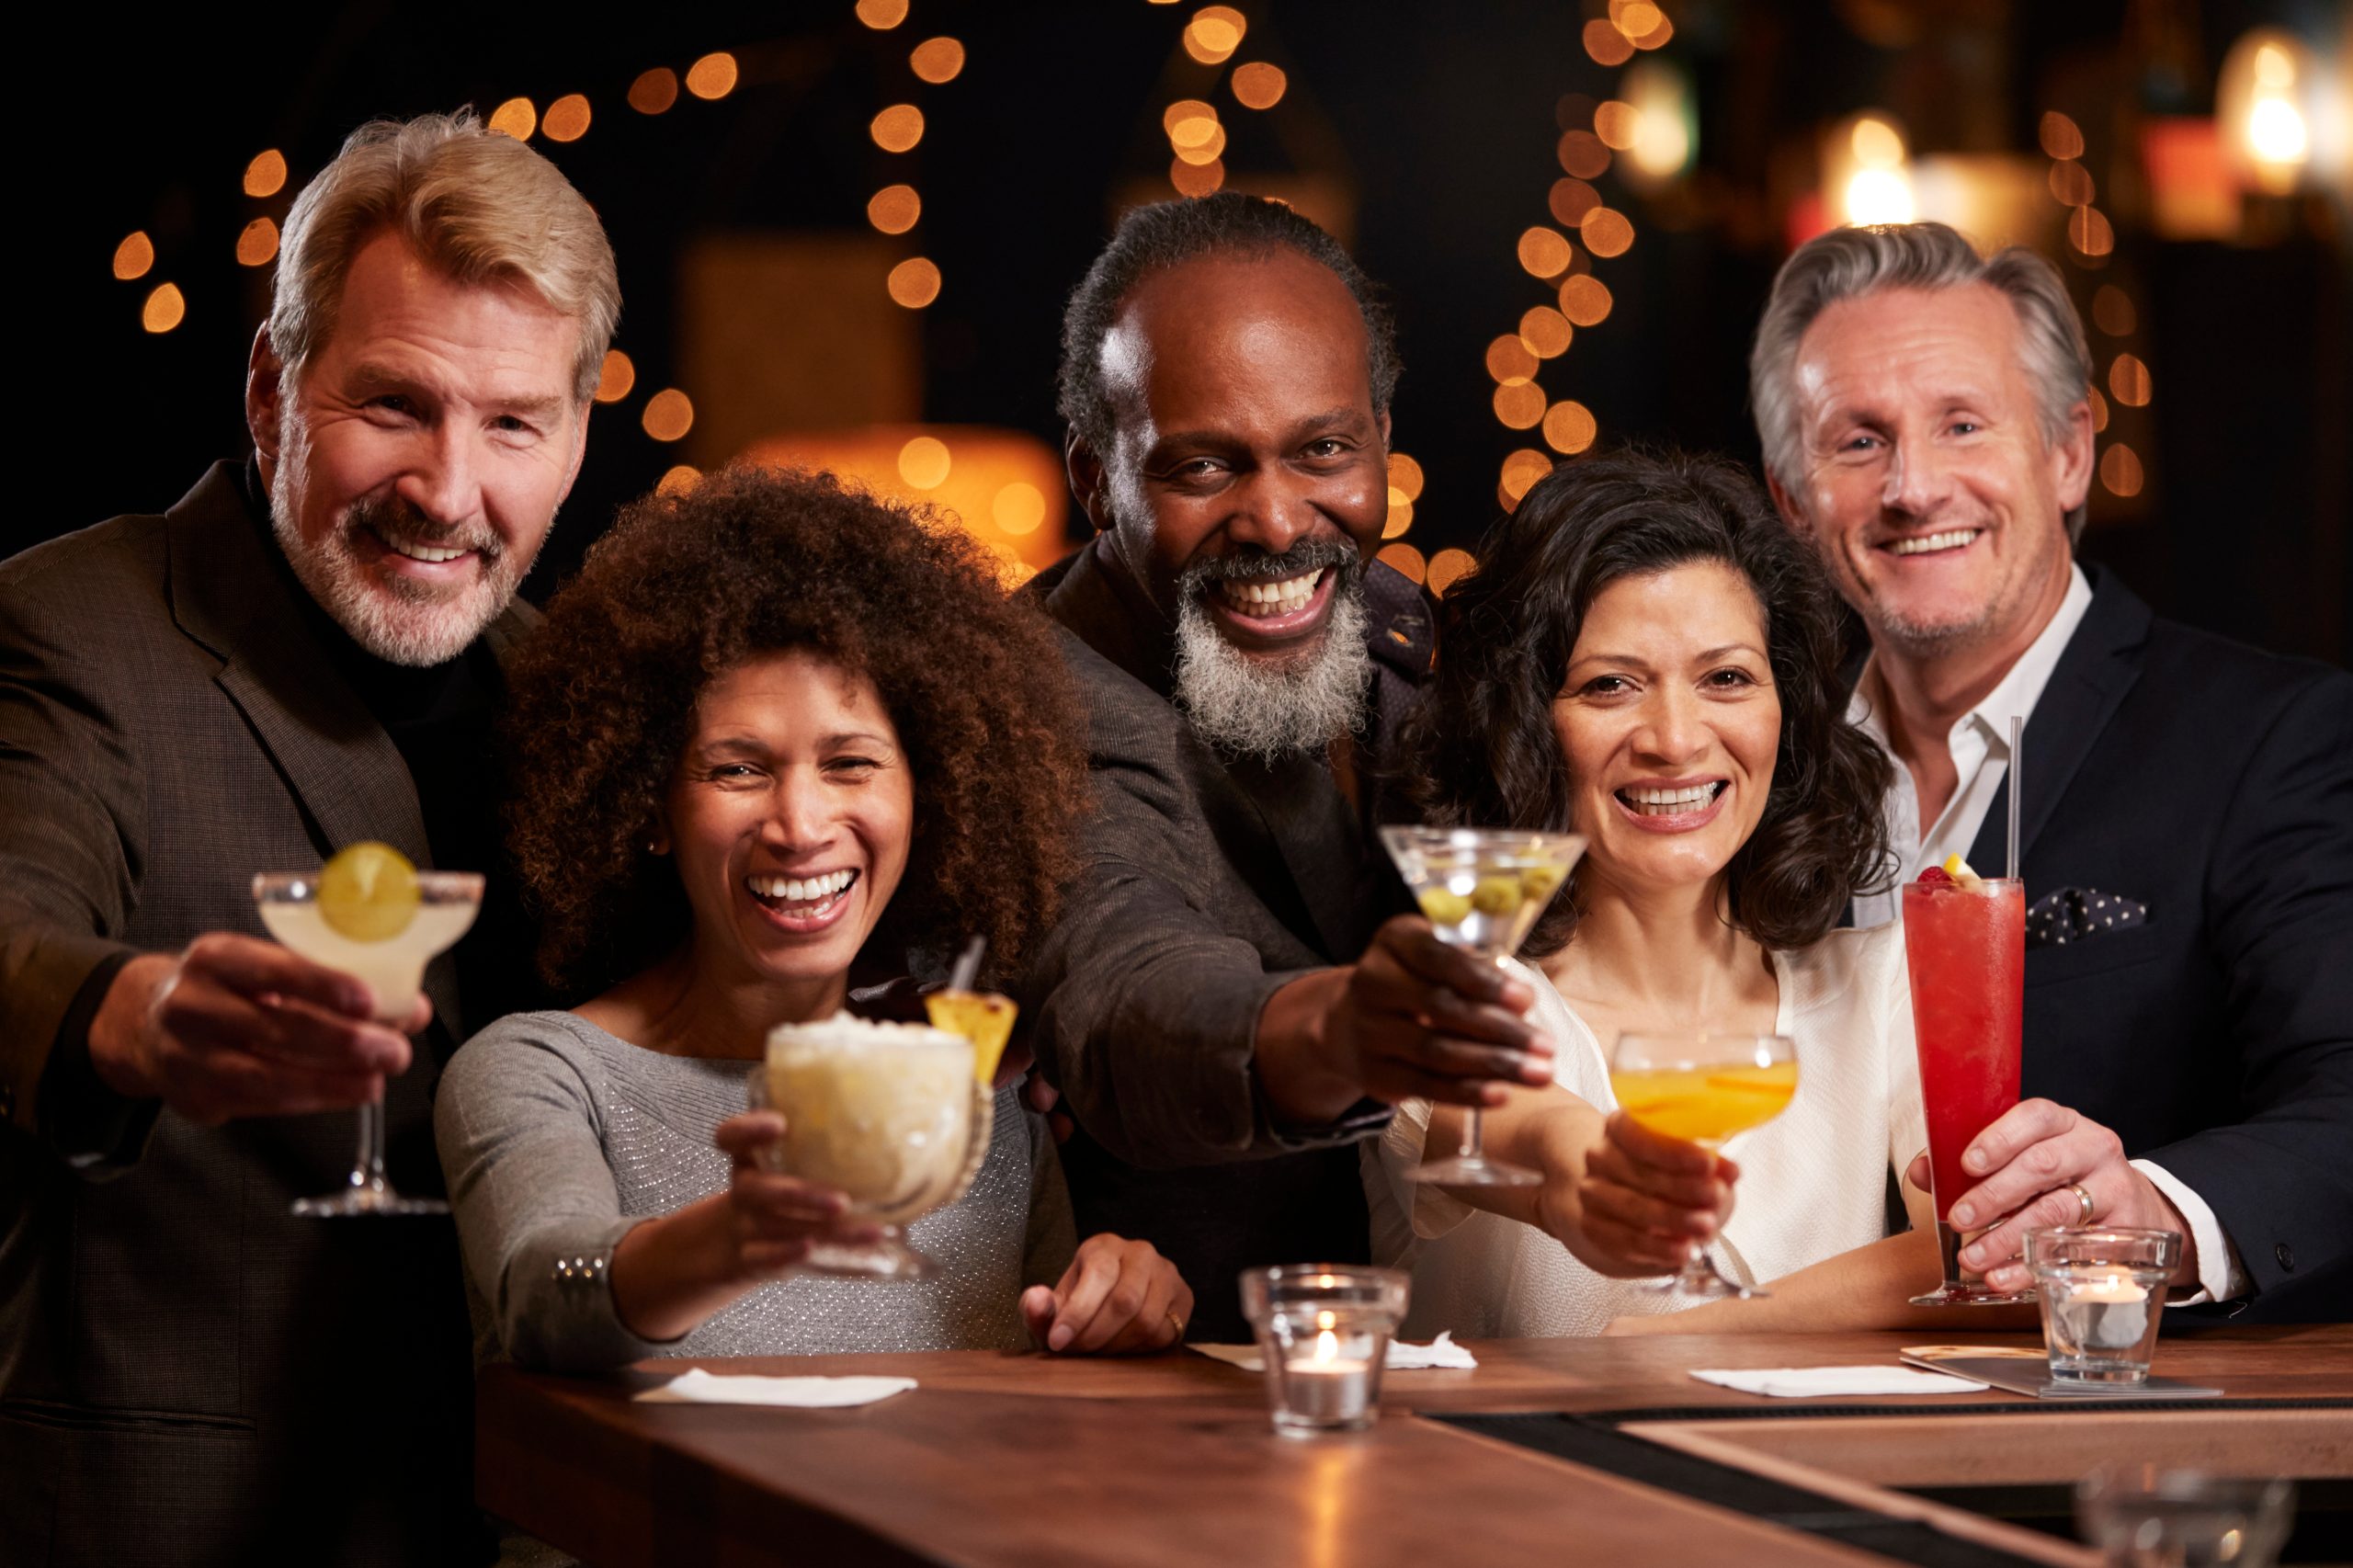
{"x":2220,"y":1277}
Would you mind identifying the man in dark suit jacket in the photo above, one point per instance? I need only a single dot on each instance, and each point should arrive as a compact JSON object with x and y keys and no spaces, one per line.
{"x":2186,"y":808}
{"x":302,"y":653}
{"x":1223,"y":1005}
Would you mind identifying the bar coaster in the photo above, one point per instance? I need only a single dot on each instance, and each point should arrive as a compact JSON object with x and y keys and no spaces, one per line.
{"x":2032,"y":1377}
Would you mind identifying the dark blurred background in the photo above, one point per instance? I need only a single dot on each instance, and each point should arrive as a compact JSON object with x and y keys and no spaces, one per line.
{"x":2186,"y":166}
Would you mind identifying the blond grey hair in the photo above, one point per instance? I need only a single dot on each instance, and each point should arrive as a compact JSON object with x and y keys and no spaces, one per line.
{"x":476,"y":203}
{"x":1846,"y":264}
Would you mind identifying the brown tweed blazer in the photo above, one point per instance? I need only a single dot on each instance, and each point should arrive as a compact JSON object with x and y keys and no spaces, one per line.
{"x":1207,"y":883}
{"x":187,"y":1373}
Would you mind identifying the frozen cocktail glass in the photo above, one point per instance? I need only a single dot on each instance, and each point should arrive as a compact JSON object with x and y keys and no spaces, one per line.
{"x":1964,"y":942}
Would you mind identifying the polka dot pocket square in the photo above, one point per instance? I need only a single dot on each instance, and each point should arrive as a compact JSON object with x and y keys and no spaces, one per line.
{"x":2074,"y":915}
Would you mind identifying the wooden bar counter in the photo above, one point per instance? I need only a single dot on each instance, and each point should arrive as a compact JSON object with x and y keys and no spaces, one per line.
{"x":999,"y":1459}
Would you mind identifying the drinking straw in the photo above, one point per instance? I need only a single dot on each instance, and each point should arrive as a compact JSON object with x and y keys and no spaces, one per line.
{"x":968,"y":966}
{"x":2017,"y":756}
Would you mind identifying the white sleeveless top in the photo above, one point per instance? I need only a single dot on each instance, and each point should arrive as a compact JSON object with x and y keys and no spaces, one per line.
{"x":1813,"y":1184}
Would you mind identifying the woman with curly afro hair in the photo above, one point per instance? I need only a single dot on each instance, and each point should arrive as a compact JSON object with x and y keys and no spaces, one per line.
{"x":1644,"y":657}
{"x":778,"y":743}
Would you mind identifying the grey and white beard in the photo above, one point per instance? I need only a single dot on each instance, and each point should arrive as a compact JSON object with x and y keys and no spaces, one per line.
{"x":1251,"y":708}
{"x":397,"y":620}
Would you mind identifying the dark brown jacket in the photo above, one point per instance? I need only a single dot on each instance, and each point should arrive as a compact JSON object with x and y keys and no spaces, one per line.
{"x":187,"y":1373}
{"x":1207,"y":884}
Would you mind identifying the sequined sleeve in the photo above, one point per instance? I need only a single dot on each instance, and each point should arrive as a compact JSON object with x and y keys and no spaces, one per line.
{"x":537,"y":1210}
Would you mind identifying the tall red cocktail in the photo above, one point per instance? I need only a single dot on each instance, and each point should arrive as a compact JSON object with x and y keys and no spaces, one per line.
{"x":1964,"y":943}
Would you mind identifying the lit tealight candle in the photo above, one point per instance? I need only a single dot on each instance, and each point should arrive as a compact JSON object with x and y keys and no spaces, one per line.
{"x":2112,"y":1286}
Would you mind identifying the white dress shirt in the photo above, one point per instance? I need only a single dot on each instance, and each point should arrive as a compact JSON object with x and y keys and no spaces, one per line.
{"x":1979,"y":745}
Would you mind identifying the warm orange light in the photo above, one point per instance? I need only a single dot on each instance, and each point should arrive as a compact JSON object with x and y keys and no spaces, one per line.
{"x":1258,"y":85}
{"x":2060,"y":137}
{"x":1214,"y":33}
{"x":2128,"y":379}
{"x":1405,"y":478}
{"x":1607,"y":44}
{"x":2112,"y":311}
{"x":2071,"y":183}
{"x":2091,"y":233}
{"x":567,"y":118}
{"x":654,"y":90}
{"x":1546,"y":332}
{"x":669,"y":413}
{"x":898,"y":128}
{"x":894,"y":209}
{"x":1607,"y":231}
{"x":1511,"y":361}
{"x":1447,"y":567}
{"x":914,"y":282}
{"x":165,"y":309}
{"x":1569,"y":427}
{"x":1520,"y":405}
{"x":924,"y":461}
{"x":1544,"y":253}
{"x":2100,"y":408}
{"x":1571,"y":199}
{"x":1616,"y":124}
{"x":265,"y":175}
{"x":516,"y":118}
{"x":1019,"y":507}
{"x":614,"y":380}
{"x":1401,"y":516}
{"x":1583,"y":155}
{"x":258,"y":243}
{"x":1585,"y":300}
{"x":135,"y":256}
{"x":2120,"y":472}
{"x":1178,"y":119}
{"x":1206,"y":151}
{"x":937,"y":60}
{"x":1403,"y":558}
{"x":1876,"y":143}
{"x":1523,"y":469}
{"x":678,"y":481}
{"x":882,"y":15}
{"x":712,"y":77}
{"x":1195,"y":179}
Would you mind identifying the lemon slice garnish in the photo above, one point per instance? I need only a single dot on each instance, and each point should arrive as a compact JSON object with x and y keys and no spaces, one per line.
{"x":368,"y":893}
{"x":1958,"y":870}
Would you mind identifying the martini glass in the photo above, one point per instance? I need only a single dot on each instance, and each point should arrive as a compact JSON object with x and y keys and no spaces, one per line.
{"x":1480,"y":889}
{"x":393,"y":967}
{"x":1703,"y":1088}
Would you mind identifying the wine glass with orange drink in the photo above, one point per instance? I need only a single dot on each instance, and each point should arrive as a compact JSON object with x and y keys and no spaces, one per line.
{"x":1704,"y":1089}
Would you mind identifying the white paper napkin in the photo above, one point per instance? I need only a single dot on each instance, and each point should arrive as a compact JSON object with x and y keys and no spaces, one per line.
{"x":1402,"y":1358}
{"x":694,"y":1386}
{"x":1813,"y":1382}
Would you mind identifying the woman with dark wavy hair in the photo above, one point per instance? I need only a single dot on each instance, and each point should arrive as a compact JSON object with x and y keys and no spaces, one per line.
{"x":1644,"y":655}
{"x":777,"y":736}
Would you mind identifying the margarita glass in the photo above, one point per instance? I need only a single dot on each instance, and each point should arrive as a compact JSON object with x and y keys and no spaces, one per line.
{"x":895,"y":1116}
{"x":1703,"y":1089}
{"x":392,"y":965}
{"x":1480,"y":889}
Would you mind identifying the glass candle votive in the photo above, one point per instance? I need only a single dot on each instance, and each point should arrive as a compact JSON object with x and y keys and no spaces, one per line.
{"x":1323,"y":1335}
{"x":2142,"y":1514}
{"x":2103,"y":1291}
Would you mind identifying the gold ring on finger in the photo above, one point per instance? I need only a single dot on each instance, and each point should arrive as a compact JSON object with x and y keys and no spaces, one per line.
{"x":2083,"y":1200}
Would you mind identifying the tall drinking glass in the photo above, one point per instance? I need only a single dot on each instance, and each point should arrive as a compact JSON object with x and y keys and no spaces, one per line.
{"x":393,"y":966}
{"x":1482,"y":889}
{"x":1965,"y":946}
{"x":1703,"y":1088}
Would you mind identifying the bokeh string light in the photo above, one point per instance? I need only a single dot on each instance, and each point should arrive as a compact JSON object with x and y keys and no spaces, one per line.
{"x":2091,"y":249}
{"x":1592,"y":140}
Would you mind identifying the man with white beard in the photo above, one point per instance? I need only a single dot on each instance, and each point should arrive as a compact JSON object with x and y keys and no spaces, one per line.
{"x":303,"y":653}
{"x":1235,"y":992}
